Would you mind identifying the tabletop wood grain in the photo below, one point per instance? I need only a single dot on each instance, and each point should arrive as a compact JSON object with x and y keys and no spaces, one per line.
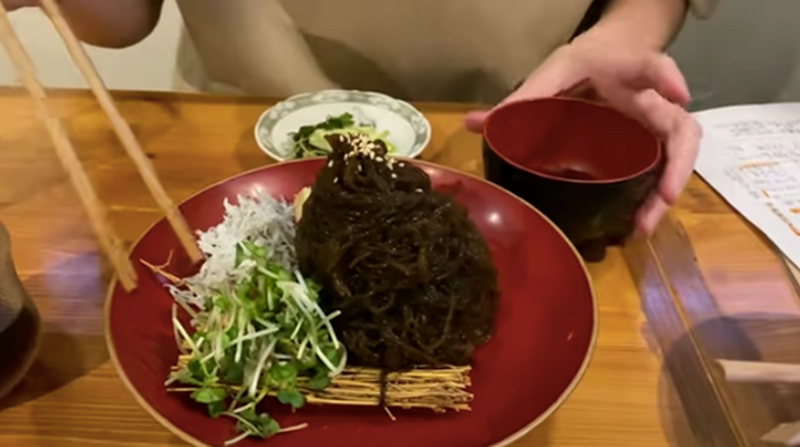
{"x":637,"y":391}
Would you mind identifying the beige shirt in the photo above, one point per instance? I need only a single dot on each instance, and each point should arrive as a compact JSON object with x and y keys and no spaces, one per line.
{"x":439,"y":50}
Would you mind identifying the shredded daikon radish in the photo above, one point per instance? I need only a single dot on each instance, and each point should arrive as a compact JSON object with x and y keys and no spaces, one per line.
{"x":257,"y":323}
{"x":259,"y":219}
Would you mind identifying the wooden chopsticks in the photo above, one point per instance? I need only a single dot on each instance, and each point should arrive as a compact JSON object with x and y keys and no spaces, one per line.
{"x":123,"y":130}
{"x":66,"y":152}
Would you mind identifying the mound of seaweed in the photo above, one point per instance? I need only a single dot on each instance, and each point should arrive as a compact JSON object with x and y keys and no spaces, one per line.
{"x":405,"y":265}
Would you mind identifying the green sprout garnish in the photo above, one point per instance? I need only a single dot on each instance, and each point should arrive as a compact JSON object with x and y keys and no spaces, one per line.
{"x":257,"y":340}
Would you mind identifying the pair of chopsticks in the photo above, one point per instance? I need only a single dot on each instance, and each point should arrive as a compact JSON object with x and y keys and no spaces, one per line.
{"x":108,"y":239}
{"x":765,"y":372}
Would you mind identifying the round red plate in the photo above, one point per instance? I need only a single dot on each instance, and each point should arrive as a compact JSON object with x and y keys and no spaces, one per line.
{"x":545,"y":333}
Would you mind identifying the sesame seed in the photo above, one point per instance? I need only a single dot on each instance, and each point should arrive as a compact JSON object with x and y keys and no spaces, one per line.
{"x":394,"y":175}
{"x":401,"y":164}
{"x":330,"y":163}
{"x":336,"y":180}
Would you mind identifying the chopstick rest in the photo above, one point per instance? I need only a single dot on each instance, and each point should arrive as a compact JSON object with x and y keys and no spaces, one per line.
{"x":737,"y":371}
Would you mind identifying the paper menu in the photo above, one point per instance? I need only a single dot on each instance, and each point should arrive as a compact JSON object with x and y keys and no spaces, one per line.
{"x":751,"y":156}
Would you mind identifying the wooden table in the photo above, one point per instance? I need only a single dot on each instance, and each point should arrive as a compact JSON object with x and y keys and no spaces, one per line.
{"x":647,"y":373}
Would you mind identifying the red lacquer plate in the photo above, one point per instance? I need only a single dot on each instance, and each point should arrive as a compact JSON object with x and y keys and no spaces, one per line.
{"x":545,"y":333}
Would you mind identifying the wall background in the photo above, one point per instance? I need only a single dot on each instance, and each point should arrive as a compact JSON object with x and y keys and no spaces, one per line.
{"x":749,"y":52}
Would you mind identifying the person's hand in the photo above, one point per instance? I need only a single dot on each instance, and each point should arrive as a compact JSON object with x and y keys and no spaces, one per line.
{"x":643,"y":84}
{"x":11,"y":5}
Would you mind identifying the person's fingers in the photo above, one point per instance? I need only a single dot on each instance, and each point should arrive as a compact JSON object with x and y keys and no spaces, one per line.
{"x":561,"y":72}
{"x":638,"y":72}
{"x":634,"y":68}
{"x":669,"y":79}
{"x":474,"y":120}
{"x":649,"y":215}
{"x":677,"y":130}
{"x":681,"y":135}
{"x":554,"y":76}
{"x":573,"y":65}
{"x":614,"y":76}
{"x":12,"y":5}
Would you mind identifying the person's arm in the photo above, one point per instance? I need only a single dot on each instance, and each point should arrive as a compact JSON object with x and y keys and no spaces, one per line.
{"x":112,"y":23}
{"x":106,"y":23}
{"x":649,"y":24}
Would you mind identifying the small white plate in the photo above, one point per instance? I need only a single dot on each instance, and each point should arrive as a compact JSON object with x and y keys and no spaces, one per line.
{"x":409,"y":131}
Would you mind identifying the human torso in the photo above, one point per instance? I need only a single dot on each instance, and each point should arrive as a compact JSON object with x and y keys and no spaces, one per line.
{"x":444,"y":50}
